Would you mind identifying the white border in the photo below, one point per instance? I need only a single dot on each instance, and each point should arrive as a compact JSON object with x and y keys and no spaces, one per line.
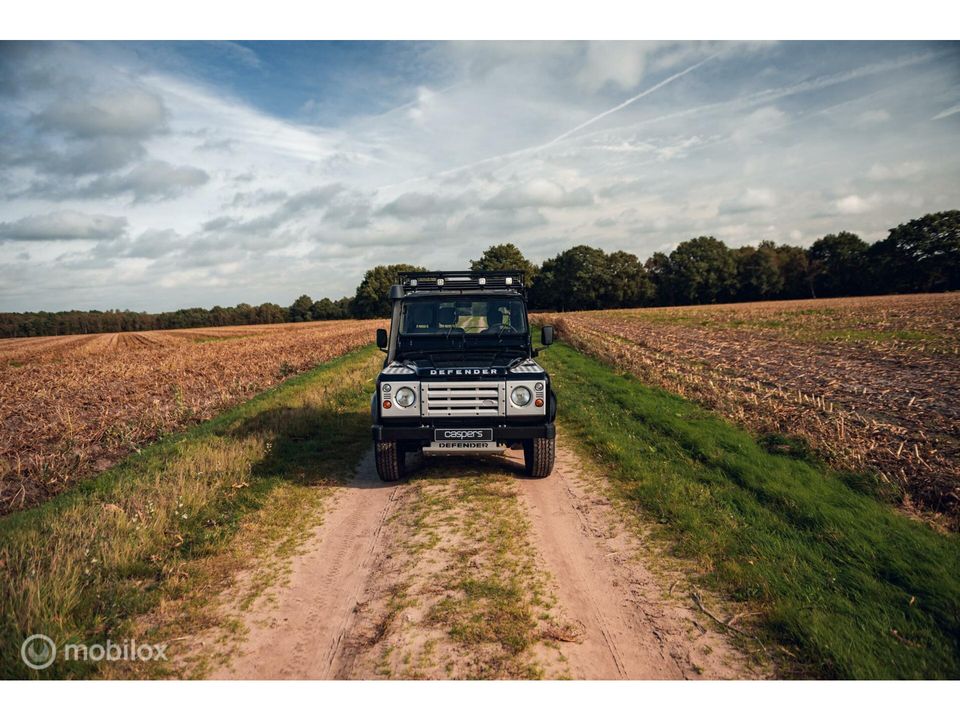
{"x":493,"y":19}
{"x":740,"y":700}
{"x":489,"y":19}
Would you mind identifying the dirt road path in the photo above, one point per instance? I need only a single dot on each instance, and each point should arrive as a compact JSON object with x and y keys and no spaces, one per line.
{"x":296,"y":631}
{"x":471,"y":570}
{"x":633,"y":629}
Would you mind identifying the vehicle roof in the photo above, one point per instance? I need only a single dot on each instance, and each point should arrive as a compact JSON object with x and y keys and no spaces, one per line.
{"x":461,"y":293}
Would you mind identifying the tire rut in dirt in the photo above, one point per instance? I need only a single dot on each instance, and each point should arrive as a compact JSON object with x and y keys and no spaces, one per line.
{"x":297,"y":630}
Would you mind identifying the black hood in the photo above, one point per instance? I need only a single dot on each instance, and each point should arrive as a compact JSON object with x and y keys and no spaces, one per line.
{"x":458,"y":367}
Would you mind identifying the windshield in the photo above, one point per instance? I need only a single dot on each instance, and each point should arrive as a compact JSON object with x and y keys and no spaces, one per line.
{"x":463,"y":316}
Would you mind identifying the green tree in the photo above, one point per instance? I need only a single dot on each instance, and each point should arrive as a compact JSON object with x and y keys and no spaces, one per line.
{"x":658,"y":272}
{"x":586,"y":278}
{"x":373,"y":294}
{"x":795,"y":272}
{"x":702,"y":270}
{"x":301,"y":309}
{"x":505,"y":257}
{"x":545,"y":292}
{"x":625,"y":282}
{"x":327,"y":309}
{"x":837,"y":264}
{"x":922,"y":255}
{"x":583,"y":270}
{"x":758,"y":272}
{"x":271,"y":313}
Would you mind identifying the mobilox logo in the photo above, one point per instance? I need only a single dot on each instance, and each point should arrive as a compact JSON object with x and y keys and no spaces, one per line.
{"x":39,"y":652}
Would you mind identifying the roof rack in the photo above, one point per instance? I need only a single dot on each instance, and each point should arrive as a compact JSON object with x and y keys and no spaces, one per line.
{"x":462,"y":281}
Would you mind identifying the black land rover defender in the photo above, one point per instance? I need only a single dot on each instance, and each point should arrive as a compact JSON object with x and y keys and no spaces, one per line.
{"x":460,"y":375}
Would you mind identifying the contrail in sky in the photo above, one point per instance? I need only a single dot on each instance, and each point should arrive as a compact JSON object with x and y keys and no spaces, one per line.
{"x":627,"y":102}
{"x":559,"y":138}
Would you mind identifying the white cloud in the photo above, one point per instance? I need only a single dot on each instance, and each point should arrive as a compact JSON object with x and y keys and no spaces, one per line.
{"x":947,"y":113}
{"x":751,"y":199}
{"x":758,"y":123}
{"x":495,"y":222}
{"x":64,"y":225}
{"x":131,"y":113}
{"x":539,"y":192}
{"x":855,"y":204}
{"x":418,"y":205}
{"x":620,"y":64}
{"x":872,"y":117}
{"x":240,"y":54}
{"x":897,"y":171}
{"x":545,"y":145}
{"x":151,"y":180}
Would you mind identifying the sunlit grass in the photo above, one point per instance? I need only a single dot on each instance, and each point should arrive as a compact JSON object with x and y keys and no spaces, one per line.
{"x":847,"y":585}
{"x":170,"y":525}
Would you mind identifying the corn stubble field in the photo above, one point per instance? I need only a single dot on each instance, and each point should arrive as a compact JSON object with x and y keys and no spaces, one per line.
{"x":71,"y":406}
{"x":838,"y":406}
{"x":872,"y":383}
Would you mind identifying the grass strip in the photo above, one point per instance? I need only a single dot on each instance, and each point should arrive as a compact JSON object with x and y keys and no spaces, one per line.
{"x":170,"y":526}
{"x":847,"y":586}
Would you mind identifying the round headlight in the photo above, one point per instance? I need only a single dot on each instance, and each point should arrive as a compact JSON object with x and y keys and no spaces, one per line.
{"x":405,"y":397}
{"x":521,"y":395}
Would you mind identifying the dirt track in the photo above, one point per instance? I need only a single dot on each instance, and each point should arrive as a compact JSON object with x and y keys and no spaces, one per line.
{"x":361,"y":599}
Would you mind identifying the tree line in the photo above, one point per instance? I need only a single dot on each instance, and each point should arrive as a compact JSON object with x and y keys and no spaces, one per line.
{"x":922,"y":255}
{"x":75,"y":322}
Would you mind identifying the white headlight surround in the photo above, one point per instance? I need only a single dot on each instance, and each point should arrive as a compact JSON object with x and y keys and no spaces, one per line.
{"x":521,"y":396}
{"x":405,"y":397}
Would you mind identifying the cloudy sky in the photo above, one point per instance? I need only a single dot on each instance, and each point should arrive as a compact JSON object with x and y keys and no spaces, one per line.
{"x":153,"y":176}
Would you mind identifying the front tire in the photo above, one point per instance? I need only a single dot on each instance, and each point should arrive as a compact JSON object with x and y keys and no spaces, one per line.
{"x":539,"y":455}
{"x":390,"y":461}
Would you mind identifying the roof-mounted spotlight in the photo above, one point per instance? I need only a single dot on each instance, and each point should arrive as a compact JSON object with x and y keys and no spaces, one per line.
{"x":482,"y":281}
{"x":440,"y":282}
{"x":509,"y":281}
{"x":413,"y":283}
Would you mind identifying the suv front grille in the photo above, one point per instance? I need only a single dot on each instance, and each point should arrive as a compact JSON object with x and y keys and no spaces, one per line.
{"x":458,"y":399}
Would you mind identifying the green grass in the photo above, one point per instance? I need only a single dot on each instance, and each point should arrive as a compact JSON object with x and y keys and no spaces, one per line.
{"x":497,"y":587}
{"x":474,"y":575}
{"x":848,"y":586}
{"x":146,"y":546}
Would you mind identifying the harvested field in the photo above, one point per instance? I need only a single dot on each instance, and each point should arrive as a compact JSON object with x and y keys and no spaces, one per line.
{"x":872,"y":384}
{"x":73,"y":405}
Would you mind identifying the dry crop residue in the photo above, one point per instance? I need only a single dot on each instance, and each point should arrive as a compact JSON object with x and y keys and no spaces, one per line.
{"x":71,"y":406}
{"x":871,"y":383}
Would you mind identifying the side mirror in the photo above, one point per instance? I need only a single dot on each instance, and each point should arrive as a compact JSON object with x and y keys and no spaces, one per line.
{"x":546,"y":335}
{"x":382,"y":339}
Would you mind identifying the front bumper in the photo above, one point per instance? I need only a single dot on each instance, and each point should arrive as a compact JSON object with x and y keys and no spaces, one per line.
{"x":502,"y":433}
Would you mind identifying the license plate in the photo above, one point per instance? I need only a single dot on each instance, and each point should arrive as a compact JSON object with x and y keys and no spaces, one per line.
{"x":463,"y":435}
{"x":454,"y":447}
